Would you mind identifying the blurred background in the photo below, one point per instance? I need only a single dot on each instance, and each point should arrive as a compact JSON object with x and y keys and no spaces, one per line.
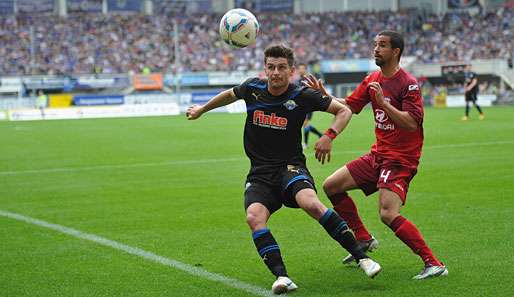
{"x":62,"y":55}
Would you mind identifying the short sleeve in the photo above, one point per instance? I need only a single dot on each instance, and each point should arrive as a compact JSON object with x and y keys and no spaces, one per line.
{"x":412,"y":102}
{"x":241,"y":91}
{"x":360,"y":97}
{"x":316,"y":101}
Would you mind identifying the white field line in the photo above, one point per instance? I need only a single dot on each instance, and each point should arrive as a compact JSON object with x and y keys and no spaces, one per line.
{"x":221,"y":160}
{"x":196,"y":271}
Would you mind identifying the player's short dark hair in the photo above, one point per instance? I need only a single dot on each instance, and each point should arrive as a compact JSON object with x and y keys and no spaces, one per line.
{"x":396,"y":40}
{"x":279,"y":51}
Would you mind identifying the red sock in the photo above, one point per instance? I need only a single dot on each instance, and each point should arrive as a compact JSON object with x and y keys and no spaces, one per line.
{"x":344,"y":206}
{"x":410,"y":235}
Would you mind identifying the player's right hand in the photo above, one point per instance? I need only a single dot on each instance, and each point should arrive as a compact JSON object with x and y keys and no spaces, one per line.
{"x":322,"y":148}
{"x":193,"y":112}
{"x":312,"y":82}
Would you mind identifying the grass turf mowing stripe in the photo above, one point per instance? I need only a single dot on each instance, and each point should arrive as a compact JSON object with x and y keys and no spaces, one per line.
{"x":231,"y":282}
{"x":203,"y":161}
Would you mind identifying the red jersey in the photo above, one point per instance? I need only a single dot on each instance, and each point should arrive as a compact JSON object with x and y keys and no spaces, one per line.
{"x":393,"y":144}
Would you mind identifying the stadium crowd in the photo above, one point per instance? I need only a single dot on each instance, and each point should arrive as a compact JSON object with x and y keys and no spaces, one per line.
{"x":121,"y":43}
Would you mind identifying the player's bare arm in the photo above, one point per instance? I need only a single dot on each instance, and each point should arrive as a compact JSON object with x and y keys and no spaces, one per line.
{"x":401,"y":118}
{"x":323,"y":146}
{"x":317,"y":84}
{"x":224,"y":98}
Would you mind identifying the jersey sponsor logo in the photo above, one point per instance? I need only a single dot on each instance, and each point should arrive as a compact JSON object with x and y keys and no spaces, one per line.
{"x":269,"y":121}
{"x":380,"y":119}
{"x":290,"y":104}
{"x":385,"y":127}
{"x":380,"y":115}
{"x":413,"y":87}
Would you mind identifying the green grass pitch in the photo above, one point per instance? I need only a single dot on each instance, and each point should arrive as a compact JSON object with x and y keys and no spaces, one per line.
{"x":174,"y":187}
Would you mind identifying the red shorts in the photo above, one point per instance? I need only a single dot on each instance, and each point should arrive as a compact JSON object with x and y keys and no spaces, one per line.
{"x":370,"y":175}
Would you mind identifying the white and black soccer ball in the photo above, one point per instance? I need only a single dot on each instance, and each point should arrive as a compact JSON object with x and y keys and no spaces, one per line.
{"x":239,"y":28}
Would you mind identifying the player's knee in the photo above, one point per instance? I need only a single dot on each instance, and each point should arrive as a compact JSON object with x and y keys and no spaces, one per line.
{"x":254,"y":221}
{"x":314,"y":208}
{"x":387,"y":215}
{"x":330,"y":186}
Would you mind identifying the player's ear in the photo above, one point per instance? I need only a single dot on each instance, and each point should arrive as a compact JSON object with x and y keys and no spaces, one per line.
{"x":396,"y":53}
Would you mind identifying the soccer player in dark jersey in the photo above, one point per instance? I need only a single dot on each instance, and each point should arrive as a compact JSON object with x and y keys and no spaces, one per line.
{"x":397,"y":108}
{"x":278,"y":175}
{"x":301,"y":69}
{"x":471,"y":92}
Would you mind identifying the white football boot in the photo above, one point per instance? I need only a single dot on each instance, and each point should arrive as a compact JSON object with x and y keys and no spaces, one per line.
{"x":283,"y":284}
{"x":370,"y":267}
{"x":431,"y":271}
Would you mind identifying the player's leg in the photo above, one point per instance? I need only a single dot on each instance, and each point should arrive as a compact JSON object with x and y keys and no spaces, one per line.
{"x":315,"y":131}
{"x":335,"y":226}
{"x":312,"y":129}
{"x":466,"y":113}
{"x":336,"y":187}
{"x":390,"y":203}
{"x":259,"y":206}
{"x":481,"y":114}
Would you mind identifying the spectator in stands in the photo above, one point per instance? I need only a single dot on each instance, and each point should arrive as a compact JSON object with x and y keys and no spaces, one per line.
{"x":116,"y":43}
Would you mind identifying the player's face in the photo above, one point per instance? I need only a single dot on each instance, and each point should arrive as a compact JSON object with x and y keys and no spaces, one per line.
{"x":278,"y":72}
{"x":382,"y":51}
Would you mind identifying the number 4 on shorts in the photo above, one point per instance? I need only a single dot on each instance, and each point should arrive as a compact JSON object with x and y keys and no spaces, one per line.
{"x":384,"y":174}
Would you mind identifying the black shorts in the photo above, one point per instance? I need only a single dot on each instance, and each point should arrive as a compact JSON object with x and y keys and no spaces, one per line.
{"x":471,"y":97}
{"x":279,"y":187}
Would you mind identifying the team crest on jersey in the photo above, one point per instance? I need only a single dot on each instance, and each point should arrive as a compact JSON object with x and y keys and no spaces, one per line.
{"x":290,"y":104}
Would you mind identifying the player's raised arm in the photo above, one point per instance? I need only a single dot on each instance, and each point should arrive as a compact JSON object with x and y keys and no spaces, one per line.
{"x":224,"y":98}
{"x":317,"y":84}
{"x":401,"y":118}
{"x":343,"y":115}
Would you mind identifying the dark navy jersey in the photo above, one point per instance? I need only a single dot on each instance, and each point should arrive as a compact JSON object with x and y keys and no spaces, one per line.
{"x":468,"y":78}
{"x":272,"y":135}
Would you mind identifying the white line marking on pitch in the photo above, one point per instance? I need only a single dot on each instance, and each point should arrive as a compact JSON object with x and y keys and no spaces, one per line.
{"x":231,"y":282}
{"x":203,"y":161}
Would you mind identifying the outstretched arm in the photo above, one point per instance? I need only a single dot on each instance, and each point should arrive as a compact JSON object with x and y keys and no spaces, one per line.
{"x":224,"y":98}
{"x":323,"y":146}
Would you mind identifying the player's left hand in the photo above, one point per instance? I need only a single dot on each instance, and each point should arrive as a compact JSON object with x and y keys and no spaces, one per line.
{"x":379,"y":94}
{"x":323,"y":147}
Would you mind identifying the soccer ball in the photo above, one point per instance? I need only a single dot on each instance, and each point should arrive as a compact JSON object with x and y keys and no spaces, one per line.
{"x":239,"y":28}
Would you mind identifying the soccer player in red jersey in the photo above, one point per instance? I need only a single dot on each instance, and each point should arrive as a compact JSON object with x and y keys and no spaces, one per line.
{"x":397,"y":106}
